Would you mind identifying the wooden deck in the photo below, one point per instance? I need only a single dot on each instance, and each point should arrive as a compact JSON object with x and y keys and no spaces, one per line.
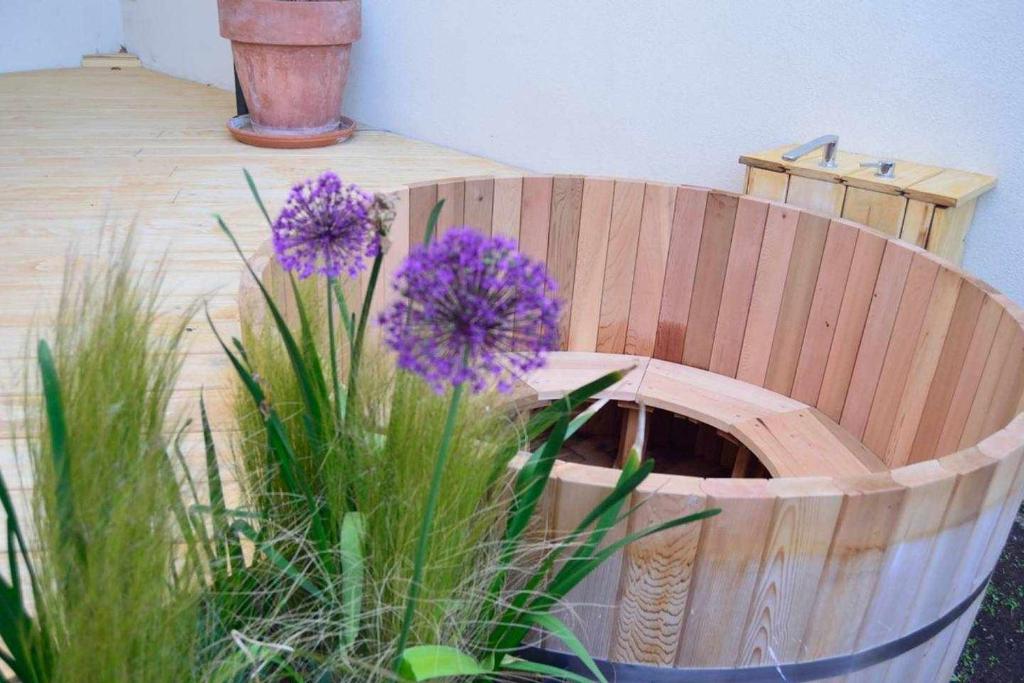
{"x":81,"y":149}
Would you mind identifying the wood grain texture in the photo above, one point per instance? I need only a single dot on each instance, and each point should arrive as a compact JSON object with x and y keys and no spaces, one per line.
{"x":850,"y":326}
{"x":397,"y":247}
{"x":962,"y":327}
{"x":870,"y":509}
{"x":928,"y":350}
{"x":804,"y":266}
{"x":651,"y":262}
{"x":1006,"y":399}
{"x":479,"y":204}
{"x":656,"y":572}
{"x":591,"y":257}
{"x":508,"y":202}
{"x":892,"y":280}
{"x":969,"y":377}
{"x":453,"y":213}
{"x":715,"y":245}
{"x":1002,"y":345}
{"x":929,"y":488}
{"x":563,"y":242}
{"x":899,"y":354}
{"x":726,"y":571}
{"x":766,"y":299}
{"x":589,"y":607}
{"x":803,"y":523}
{"x":917,"y":222}
{"x":819,"y":196}
{"x":623,"y":237}
{"x":949,"y":230}
{"x":421,"y":202}
{"x":836,"y":261}
{"x":770,"y":185}
{"x":680,"y":272}
{"x":883,"y":212}
{"x":748,"y":235}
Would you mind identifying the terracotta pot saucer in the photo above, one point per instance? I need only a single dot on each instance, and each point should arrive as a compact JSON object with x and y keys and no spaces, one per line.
{"x":241,"y":130}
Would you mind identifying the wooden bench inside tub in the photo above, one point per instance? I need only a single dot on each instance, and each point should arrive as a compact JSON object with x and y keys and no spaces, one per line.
{"x":788,"y":437}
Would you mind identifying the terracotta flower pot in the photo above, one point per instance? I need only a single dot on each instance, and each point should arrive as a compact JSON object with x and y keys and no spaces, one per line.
{"x":292,"y":60}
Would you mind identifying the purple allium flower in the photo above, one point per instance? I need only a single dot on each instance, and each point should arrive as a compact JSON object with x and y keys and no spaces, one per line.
{"x":326,"y":226}
{"x":471,"y":309}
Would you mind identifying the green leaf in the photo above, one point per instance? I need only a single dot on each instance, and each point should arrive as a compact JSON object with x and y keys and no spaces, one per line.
{"x":558,"y":629}
{"x":353,"y":533}
{"x":219,"y":509}
{"x":435,"y":215}
{"x":427,"y":662}
{"x":278,"y":560}
{"x":542,"y":420}
{"x":61,"y":458}
{"x":514,"y":664}
{"x":256,"y":196}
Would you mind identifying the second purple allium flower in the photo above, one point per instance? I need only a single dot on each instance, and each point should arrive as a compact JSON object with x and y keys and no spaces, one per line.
{"x":471,"y":309}
{"x":326,"y":226}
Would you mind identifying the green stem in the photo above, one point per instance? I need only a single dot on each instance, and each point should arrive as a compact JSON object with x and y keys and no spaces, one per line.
{"x":427,"y":522}
{"x":334,"y":354}
{"x":364,"y":316}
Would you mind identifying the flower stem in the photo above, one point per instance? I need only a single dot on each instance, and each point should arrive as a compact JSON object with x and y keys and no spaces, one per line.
{"x":334,"y":354}
{"x":427,"y":522}
{"x":364,"y":316}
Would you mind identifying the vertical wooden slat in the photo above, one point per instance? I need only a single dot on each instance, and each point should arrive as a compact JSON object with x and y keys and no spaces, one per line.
{"x":990,"y":376}
{"x":803,"y":523}
{"x":715,"y":243}
{"x":1006,"y":399}
{"x":943,"y":384}
{"x":479,"y":204}
{"x":928,"y":348}
{"x":508,"y":202}
{"x":974,"y":473}
{"x":452,"y":215}
{"x":836,"y":260}
{"x":421,"y":202}
{"x":623,"y":236}
{"x":535,"y":217}
{"x":651,"y":261}
{"x":590,"y":609}
{"x":969,"y":377}
{"x":849,"y":329}
{"x":726,"y":570}
{"x":744,"y":253}
{"x":899,"y":355}
{"x":867,"y":368}
{"x":563,"y":241}
{"x":818,"y":196}
{"x":656,"y":572}
{"x":769,"y":285}
{"x":917,"y":222}
{"x":591,"y":256}
{"x":883,"y":212}
{"x":811,"y":232}
{"x":949,"y":230}
{"x":871,"y":507}
{"x":767,"y":184}
{"x":680,"y":271}
{"x":929,"y":487}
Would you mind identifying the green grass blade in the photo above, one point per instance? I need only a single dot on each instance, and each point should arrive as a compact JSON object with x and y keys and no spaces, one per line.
{"x":546,"y":670}
{"x":279,"y":560}
{"x":58,"y":445}
{"x":543,"y":420}
{"x":256,"y":196}
{"x":558,"y":629}
{"x":430,"y":662}
{"x":221,"y":524}
{"x":302,"y":373}
{"x":353,"y":535}
{"x":435,"y":215}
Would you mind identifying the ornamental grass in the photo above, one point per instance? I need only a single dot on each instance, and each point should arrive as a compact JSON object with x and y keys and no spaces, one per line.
{"x":382,"y":531}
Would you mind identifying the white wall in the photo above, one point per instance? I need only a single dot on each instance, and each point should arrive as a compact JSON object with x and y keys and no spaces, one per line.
{"x":676,"y":89}
{"x":48,"y":34}
{"x":180,"y":38}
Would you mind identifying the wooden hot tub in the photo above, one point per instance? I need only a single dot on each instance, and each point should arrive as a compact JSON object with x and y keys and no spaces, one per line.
{"x":851,"y":403}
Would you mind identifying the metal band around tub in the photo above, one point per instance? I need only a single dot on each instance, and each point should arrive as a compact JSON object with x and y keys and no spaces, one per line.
{"x":814,"y":670}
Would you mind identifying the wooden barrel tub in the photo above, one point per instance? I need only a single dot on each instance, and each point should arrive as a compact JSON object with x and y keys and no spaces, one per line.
{"x":852,"y":403}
